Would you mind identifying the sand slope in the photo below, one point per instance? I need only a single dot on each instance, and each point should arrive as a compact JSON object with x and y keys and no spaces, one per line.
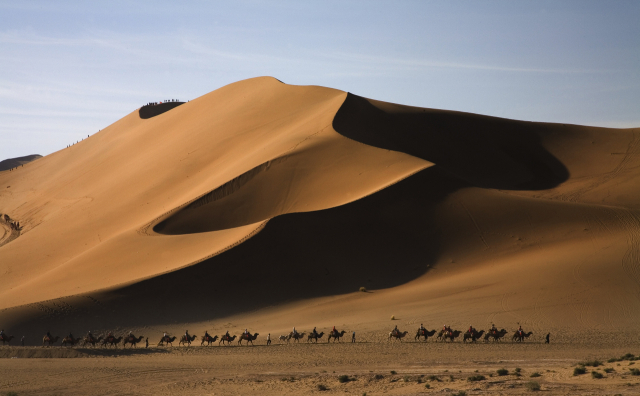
{"x":517,"y":222}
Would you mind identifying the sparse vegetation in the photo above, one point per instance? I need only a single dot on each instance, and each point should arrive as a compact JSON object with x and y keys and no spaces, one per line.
{"x":460,"y":393}
{"x":609,"y":370}
{"x":596,"y":375}
{"x":475,"y":378}
{"x":406,"y":378}
{"x":518,"y":369}
{"x":533,"y":386}
{"x":427,"y":386}
{"x":378,"y":376}
{"x":433,"y":378}
{"x":10,"y":393}
{"x":343,"y":378}
{"x":536,"y":374}
{"x":634,"y":371}
{"x":579,"y":370}
{"x":322,"y":388}
{"x":591,"y":363}
{"x":393,"y":372}
{"x":502,"y":372}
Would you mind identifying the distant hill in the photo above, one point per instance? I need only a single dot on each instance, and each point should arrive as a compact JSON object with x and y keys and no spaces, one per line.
{"x":13,"y":162}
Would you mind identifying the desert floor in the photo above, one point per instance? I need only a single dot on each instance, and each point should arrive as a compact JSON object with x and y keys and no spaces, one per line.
{"x":395,"y":368}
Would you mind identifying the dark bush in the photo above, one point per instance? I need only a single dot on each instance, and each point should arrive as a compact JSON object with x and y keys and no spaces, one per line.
{"x":343,"y":378}
{"x":502,"y":372}
{"x":476,"y":378}
{"x":533,"y":386}
{"x":579,"y":370}
{"x":634,"y":371}
{"x":378,"y":376}
{"x":536,"y":374}
{"x":322,"y":387}
{"x":596,"y":375}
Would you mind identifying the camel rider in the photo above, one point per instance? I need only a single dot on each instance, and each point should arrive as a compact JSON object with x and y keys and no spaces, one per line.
{"x":227,"y":336}
{"x":90,"y":336}
{"x":395,"y":330}
{"x":422,"y":329}
{"x":164,"y":336}
{"x":471,"y":330}
{"x":315,"y":333}
{"x":246,"y":333}
{"x":520,"y":330}
{"x":49,"y":335}
{"x":206,"y":335}
{"x":294,"y":330}
{"x":70,"y":336}
{"x":1,"y":334}
{"x":493,"y":329}
{"x":186,"y":335}
{"x":131,"y":336}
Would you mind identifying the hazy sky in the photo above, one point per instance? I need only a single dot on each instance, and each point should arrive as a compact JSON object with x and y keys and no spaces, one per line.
{"x":68,"y":69}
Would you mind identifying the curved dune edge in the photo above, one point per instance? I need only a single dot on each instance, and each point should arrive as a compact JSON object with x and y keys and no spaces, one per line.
{"x":85,"y":208}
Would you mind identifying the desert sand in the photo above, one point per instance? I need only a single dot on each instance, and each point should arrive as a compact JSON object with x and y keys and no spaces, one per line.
{"x":263,"y":205}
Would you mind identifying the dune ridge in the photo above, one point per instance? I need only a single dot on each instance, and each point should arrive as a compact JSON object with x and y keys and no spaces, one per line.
{"x":295,"y":197}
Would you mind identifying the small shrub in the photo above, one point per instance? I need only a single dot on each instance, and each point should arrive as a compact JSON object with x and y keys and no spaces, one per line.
{"x":460,"y":393}
{"x":533,"y":386}
{"x":612,"y":360}
{"x":433,"y":378}
{"x":406,"y":378}
{"x":632,"y":363}
{"x":343,"y":378}
{"x":378,"y":376}
{"x":591,"y":363}
{"x":476,"y":378}
{"x":596,"y":375}
{"x":579,"y":370}
{"x":609,"y":370}
{"x":427,"y":386}
{"x":393,"y":372}
{"x":363,"y":289}
{"x":10,"y":394}
{"x":502,"y":372}
{"x":451,"y":378}
{"x":634,"y":371}
{"x":518,"y":369}
{"x":628,"y":356}
{"x":322,"y":388}
{"x":536,"y":374}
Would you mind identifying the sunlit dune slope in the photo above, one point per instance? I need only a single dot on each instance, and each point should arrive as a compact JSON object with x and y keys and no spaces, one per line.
{"x":260,"y":147}
{"x":512,"y":222}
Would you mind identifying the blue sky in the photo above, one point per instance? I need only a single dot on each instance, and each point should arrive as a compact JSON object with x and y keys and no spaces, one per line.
{"x":68,"y":69}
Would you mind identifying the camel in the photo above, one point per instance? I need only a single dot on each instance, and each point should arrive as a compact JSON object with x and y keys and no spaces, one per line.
{"x":186,"y":340}
{"x":297,"y":336}
{"x":283,"y":338}
{"x":111,"y":341}
{"x":451,"y":335}
{"x":473,"y":337}
{"x":247,"y":337}
{"x":132,"y":340}
{"x":315,"y":336}
{"x":208,"y":339}
{"x":517,"y":337}
{"x":91,"y":340}
{"x":227,"y":339}
{"x":166,"y":340}
{"x":399,"y":335}
{"x":335,"y":335}
{"x":496,"y":336}
{"x":71,"y":341}
{"x":6,"y":338}
{"x":49,"y":340}
{"x":424,"y":333}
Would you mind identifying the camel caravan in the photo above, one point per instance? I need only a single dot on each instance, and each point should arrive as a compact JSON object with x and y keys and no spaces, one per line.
{"x":470,"y":335}
{"x":446,"y":334}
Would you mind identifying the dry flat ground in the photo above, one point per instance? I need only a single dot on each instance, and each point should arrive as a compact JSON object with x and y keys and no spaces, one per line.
{"x":374,"y":368}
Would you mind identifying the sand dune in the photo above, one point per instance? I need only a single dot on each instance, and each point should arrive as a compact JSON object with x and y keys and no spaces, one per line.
{"x":18,"y":161}
{"x":266,"y":205}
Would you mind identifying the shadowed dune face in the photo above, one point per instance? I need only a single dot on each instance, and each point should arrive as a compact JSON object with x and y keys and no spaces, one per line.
{"x":485,"y":151}
{"x":285,"y":199}
{"x":14,"y":162}
{"x":147,"y":112}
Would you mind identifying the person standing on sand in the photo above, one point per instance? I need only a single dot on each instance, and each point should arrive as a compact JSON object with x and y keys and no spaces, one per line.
{"x":22,"y":341}
{"x":146,"y":343}
{"x":269,"y":339}
{"x":547,"y":338}
{"x":353,"y":337}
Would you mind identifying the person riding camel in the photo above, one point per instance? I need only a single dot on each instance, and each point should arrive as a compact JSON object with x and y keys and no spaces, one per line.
{"x":227,"y":336}
{"x":471,"y":330}
{"x":2,"y":334}
{"x":422,"y":329}
{"x":70,"y":336}
{"x":131,"y":336}
{"x":49,"y":337}
{"x":206,"y":335}
{"x":186,"y":335}
{"x":395,"y":330}
{"x":295,"y":332}
{"x":493,"y":330}
{"x":246,"y":333}
{"x":520,"y":331}
{"x":90,"y":336}
{"x":315,"y":333}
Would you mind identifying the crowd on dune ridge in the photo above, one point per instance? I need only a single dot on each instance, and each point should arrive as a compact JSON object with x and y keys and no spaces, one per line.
{"x":159,"y":103}
{"x":110,"y":340}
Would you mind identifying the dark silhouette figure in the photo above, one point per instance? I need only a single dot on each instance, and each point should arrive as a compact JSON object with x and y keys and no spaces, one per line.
{"x":547,"y":338}
{"x":146,"y":343}
{"x":353,"y":337}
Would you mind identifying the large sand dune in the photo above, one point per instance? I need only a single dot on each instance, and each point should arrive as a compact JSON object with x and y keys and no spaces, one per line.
{"x":160,"y":222}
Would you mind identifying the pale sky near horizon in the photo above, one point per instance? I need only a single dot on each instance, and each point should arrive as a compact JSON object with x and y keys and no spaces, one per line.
{"x":70,"y":68}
